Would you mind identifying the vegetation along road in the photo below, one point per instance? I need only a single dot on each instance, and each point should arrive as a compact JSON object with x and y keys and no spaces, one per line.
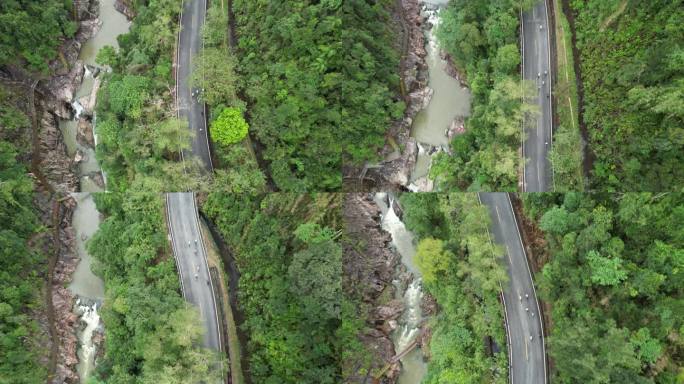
{"x":525,"y":334}
{"x":538,"y":175}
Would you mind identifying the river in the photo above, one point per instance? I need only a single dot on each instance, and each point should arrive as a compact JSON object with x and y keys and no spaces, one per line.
{"x":113,"y":25}
{"x":86,"y":286}
{"x":449,"y":99}
{"x":414,"y":367}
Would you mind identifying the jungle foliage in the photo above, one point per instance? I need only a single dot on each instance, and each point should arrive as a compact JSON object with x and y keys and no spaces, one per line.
{"x":139,"y":136}
{"x":482,"y":39}
{"x":152,"y":334}
{"x":462,"y":270}
{"x":290,"y":261}
{"x":236,"y":168}
{"x":321,"y":84}
{"x":632,"y":67}
{"x":22,"y":264}
{"x":32,"y":30}
{"x":614,"y":284}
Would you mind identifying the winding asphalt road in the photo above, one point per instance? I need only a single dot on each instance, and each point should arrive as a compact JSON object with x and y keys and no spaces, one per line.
{"x":538,"y":174}
{"x":191,"y":261}
{"x":189,"y":108}
{"x":528,"y":363}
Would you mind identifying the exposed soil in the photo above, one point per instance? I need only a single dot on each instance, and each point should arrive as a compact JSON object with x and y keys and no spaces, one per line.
{"x":589,"y":156}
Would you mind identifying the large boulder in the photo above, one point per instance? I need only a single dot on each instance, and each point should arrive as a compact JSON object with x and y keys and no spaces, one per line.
{"x":389,"y":311}
{"x":84,"y":133}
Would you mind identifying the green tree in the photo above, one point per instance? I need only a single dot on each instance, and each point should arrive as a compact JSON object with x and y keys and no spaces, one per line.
{"x":229,"y":127}
{"x":605,"y":271}
{"x":214,"y":72}
{"x":432,"y":258}
{"x":32,"y":31}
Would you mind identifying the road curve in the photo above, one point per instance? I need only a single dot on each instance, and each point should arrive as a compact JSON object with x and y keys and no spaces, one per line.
{"x":191,"y":261}
{"x":189,"y":108}
{"x":528,"y":361}
{"x":538,"y":174}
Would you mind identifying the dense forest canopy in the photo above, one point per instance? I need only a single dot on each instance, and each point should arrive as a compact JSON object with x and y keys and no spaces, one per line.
{"x":614,"y":284}
{"x":632,"y":67}
{"x":321,"y":80}
{"x":22,"y":264}
{"x":32,"y":30}
{"x":290,"y":261}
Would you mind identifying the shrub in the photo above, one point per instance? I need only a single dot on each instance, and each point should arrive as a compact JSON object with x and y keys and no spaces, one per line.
{"x":230,"y":127}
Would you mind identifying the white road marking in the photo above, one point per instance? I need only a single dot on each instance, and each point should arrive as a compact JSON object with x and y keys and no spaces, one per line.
{"x":497,"y":213}
{"x":539,"y":176}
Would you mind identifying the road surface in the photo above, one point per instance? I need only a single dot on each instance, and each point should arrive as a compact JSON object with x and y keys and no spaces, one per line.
{"x":189,"y":46}
{"x":191,"y":261}
{"x":538,"y":174}
{"x":528,"y":364}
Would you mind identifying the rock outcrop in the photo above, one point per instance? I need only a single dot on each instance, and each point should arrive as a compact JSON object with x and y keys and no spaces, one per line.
{"x":125,"y":7}
{"x":53,"y":102}
{"x":393,"y":173}
{"x":369,"y":265}
{"x":54,"y":161}
{"x":84,"y":133}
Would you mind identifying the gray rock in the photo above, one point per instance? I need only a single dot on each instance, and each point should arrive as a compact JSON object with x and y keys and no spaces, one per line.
{"x":84,"y":133}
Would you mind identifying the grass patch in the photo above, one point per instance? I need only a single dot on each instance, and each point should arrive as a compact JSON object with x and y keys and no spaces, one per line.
{"x":566,"y":154}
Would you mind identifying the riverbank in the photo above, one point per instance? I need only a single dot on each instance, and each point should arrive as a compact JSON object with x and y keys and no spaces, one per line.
{"x":412,"y":335}
{"x":400,"y":150}
{"x":437,"y":101}
{"x":49,"y":100}
{"x":65,"y":318}
{"x":380,"y":279}
{"x":368,"y":271}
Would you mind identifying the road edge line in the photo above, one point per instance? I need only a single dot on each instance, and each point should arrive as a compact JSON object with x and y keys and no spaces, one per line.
{"x":173,"y":247}
{"x":534,"y":289}
{"x":522,"y":95}
{"x":206,"y":264}
{"x":503,"y":298}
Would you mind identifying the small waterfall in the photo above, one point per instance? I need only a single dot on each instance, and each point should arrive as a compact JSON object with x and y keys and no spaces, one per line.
{"x":87,"y":72}
{"x":88,"y":350}
{"x":78,"y":109}
{"x":413,"y":315}
{"x":449,"y":100}
{"x":413,"y":366}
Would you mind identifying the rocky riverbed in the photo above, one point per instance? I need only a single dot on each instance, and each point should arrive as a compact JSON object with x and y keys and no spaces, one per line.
{"x":53,"y":97}
{"x":375,"y":275}
{"x":401,"y":150}
{"x":369,"y":266}
{"x":407,"y":157}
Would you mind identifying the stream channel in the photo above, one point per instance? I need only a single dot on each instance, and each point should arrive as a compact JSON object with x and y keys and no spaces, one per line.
{"x":85,"y":285}
{"x":413,"y":366}
{"x":450,"y":102}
